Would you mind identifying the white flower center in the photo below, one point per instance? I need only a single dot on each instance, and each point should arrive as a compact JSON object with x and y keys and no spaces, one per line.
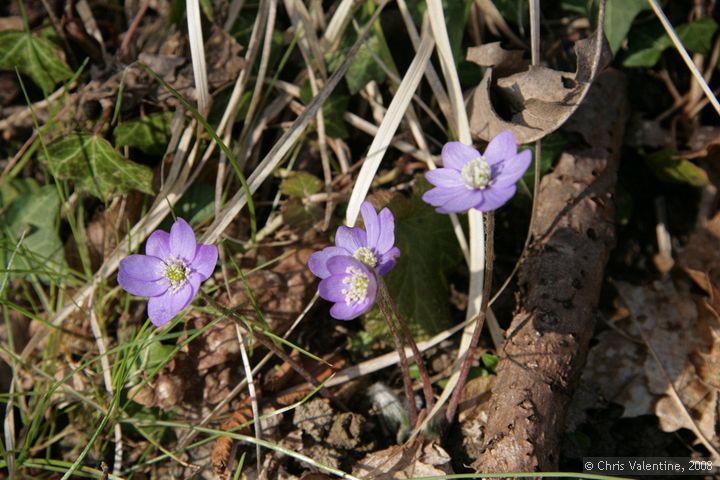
{"x":176,"y":271}
{"x":365,"y":255}
{"x":477,"y":173}
{"x":357,"y":283}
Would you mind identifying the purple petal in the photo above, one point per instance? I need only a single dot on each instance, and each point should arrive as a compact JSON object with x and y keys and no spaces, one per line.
{"x":339,"y":265}
{"x":462,"y":202}
{"x":439,"y":195}
{"x":182,"y":240}
{"x":317,"y":263}
{"x":331,"y":288}
{"x":456,"y":154}
{"x":142,"y":267}
{"x":387,"y":261}
{"x":372,"y":223}
{"x":445,"y":177}
{"x":158,"y":244}
{"x":163,"y":308}
{"x":387,"y":231}
{"x":206,"y":257}
{"x":350,"y":238}
{"x":512,"y":169}
{"x":142,"y":288}
{"x":496,"y":197}
{"x":343,"y":311}
{"x":501,"y":147}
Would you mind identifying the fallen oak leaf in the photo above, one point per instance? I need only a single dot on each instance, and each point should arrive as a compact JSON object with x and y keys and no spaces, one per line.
{"x":540,"y":99}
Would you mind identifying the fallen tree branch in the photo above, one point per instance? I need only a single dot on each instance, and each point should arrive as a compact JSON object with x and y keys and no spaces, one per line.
{"x":559,"y":282}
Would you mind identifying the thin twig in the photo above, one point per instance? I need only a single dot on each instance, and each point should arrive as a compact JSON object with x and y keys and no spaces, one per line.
{"x":417,"y":356}
{"x":387,"y":312}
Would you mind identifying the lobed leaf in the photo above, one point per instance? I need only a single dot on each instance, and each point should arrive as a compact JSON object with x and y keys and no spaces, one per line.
{"x":95,"y":166}
{"x":150,"y":133}
{"x":33,"y":56}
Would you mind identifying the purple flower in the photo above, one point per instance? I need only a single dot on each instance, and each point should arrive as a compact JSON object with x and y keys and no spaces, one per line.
{"x":373,"y":247}
{"x":171,"y":271}
{"x":348,"y":269}
{"x":473,"y":180}
{"x":351,"y":285}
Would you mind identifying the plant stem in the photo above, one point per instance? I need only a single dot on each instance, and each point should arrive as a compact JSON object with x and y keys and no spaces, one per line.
{"x":465,"y":369}
{"x":387,"y":312}
{"x":417,"y":356}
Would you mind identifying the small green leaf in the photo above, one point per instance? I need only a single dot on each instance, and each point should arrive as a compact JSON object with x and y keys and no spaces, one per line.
{"x":33,"y":56}
{"x":648,"y":44}
{"x":150,"y":133}
{"x":674,"y":170}
{"x":95,"y":166}
{"x":429,"y":250}
{"x":33,"y":218}
{"x":619,"y":15}
{"x":300,"y":185}
{"x":490,"y":361}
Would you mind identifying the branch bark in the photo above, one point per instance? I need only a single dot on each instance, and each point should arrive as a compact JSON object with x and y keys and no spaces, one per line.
{"x":559,"y":286}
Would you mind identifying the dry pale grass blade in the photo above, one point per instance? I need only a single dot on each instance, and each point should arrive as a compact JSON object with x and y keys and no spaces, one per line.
{"x":257,"y":424}
{"x":496,"y":23}
{"x":107,"y":378}
{"x":338,"y":22}
{"x":265,"y":21}
{"x":430,"y":73}
{"x":389,"y":126}
{"x":447,"y":63}
{"x":307,"y":39}
{"x":277,"y":153}
{"x":684,"y":54}
{"x":91,"y":26}
{"x":197,"y":54}
{"x":233,"y":12}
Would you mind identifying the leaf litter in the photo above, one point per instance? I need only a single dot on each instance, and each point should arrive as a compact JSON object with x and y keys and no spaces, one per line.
{"x":190,"y":378}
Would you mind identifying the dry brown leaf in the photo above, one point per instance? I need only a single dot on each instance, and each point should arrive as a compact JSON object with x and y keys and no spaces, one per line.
{"x":540,"y":99}
{"x":404,"y":461}
{"x":702,"y":254}
{"x":615,"y":366}
{"x":681,"y":339}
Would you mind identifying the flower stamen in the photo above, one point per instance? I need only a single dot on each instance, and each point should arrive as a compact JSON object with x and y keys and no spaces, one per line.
{"x":477,"y":173}
{"x":176,"y":271}
{"x":358,"y":283}
{"x":366,"y":255}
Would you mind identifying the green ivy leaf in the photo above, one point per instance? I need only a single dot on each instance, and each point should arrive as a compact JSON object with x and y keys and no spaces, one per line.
{"x":619,"y":15}
{"x":300,"y":185}
{"x":33,"y":56}
{"x":674,"y":170}
{"x":648,"y":44}
{"x":150,"y":133}
{"x":33,"y":217}
{"x":95,"y":166}
{"x":429,"y":250}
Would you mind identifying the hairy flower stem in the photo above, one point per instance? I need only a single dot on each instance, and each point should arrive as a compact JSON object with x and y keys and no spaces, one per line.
{"x":417,"y":356}
{"x":268,"y":343}
{"x":387,"y":311}
{"x":480,"y":320}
